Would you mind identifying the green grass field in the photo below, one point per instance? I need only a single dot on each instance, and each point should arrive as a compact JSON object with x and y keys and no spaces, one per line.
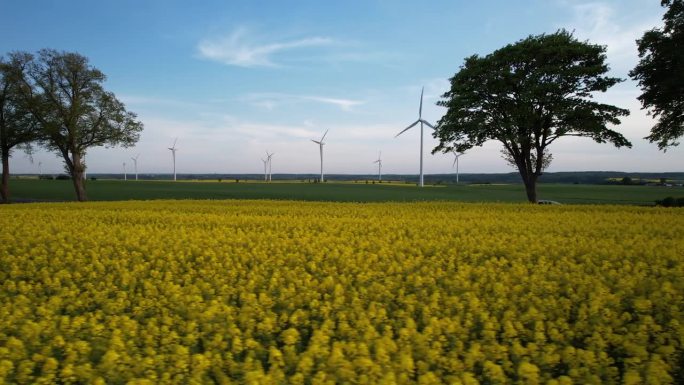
{"x":23,"y":190}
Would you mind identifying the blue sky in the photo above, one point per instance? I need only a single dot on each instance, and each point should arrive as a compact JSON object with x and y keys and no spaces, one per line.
{"x":232,"y":79}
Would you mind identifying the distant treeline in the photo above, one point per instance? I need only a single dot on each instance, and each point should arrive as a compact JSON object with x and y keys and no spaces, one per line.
{"x":578,"y":177}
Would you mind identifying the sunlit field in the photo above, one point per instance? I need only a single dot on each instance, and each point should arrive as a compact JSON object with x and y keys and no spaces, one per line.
{"x":332,"y":293}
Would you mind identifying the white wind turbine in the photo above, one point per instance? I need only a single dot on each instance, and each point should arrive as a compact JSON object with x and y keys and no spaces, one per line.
{"x":125,"y":175}
{"x":135,"y":165}
{"x":173,"y":154}
{"x":456,"y":156}
{"x":266,"y":161}
{"x":421,"y":121}
{"x":379,"y":162}
{"x":268,"y":158}
{"x":320,"y":145}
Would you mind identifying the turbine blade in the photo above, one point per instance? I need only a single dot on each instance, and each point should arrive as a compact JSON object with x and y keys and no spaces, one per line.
{"x":420,"y":110}
{"x":407,"y":128}
{"x":454,"y":164}
{"x":315,"y":141}
{"x":174,"y":143}
{"x":428,"y":124}
{"x":326,"y":133}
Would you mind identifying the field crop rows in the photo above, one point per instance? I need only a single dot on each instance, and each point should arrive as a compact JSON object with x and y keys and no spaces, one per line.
{"x":324,"y":293}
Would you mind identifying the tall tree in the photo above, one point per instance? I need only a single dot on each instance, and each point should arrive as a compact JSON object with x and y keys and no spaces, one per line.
{"x":17,"y":127}
{"x":660,"y":73}
{"x":74,"y":111}
{"x":527,"y":95}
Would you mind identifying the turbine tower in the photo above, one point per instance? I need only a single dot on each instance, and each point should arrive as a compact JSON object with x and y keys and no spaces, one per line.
{"x":379,"y":162}
{"x":320,"y":145}
{"x":456,"y":156}
{"x":268,"y":158}
{"x":173,"y":154}
{"x":124,"y":167}
{"x":421,"y":121}
{"x":135,"y":165}
{"x":266,"y":161}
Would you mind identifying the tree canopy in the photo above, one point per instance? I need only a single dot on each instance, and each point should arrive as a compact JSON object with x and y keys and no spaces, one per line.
{"x":660,"y":73}
{"x":527,"y":95}
{"x":17,"y":125}
{"x":74,"y":110}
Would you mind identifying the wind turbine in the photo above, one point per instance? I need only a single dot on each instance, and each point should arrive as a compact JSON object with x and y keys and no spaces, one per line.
{"x":421,"y":121}
{"x":456,"y":156}
{"x":173,"y":153}
{"x":135,"y":165}
{"x":320,"y":145}
{"x":379,"y":162}
{"x":124,"y":167}
{"x":266,"y":162}
{"x":40,"y":169}
{"x":268,"y":158}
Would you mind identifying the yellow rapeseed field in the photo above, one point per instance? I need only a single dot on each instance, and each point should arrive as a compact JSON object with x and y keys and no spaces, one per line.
{"x":261,"y":292}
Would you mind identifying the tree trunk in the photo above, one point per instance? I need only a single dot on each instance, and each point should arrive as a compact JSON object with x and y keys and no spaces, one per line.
{"x":77,"y":177}
{"x":531,"y":188}
{"x":79,"y":186}
{"x":4,"y":189}
{"x":528,"y":176}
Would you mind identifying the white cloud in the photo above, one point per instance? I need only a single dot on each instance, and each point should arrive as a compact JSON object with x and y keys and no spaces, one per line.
{"x":269,"y":100}
{"x":241,"y":50}
{"x":601,"y":23}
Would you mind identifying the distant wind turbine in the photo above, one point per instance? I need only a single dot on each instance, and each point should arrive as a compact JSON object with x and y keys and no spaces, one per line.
{"x":320,"y":145}
{"x":379,"y":162}
{"x":173,"y":154}
{"x":421,"y":121}
{"x":269,"y":159}
{"x":266,"y":161}
{"x":456,"y":156}
{"x":125,"y":175}
{"x":135,"y":165}
{"x":40,"y":169}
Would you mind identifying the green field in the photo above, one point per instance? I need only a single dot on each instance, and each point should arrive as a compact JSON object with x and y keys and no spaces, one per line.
{"x":24,"y":190}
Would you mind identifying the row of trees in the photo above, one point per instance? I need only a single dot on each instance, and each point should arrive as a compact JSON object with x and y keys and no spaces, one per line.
{"x":56,"y":100}
{"x":528,"y":94}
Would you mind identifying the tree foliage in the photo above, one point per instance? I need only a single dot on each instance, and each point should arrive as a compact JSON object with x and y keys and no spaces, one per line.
{"x":74,"y":110}
{"x":527,"y":95}
{"x":660,"y":74}
{"x":17,"y":126}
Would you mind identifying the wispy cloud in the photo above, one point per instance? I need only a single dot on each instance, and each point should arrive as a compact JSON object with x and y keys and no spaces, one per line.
{"x":272,"y":99}
{"x":601,"y":23}
{"x":241,"y":49}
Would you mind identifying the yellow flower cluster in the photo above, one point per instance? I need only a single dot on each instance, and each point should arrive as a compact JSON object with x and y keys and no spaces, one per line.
{"x":259,"y":292}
